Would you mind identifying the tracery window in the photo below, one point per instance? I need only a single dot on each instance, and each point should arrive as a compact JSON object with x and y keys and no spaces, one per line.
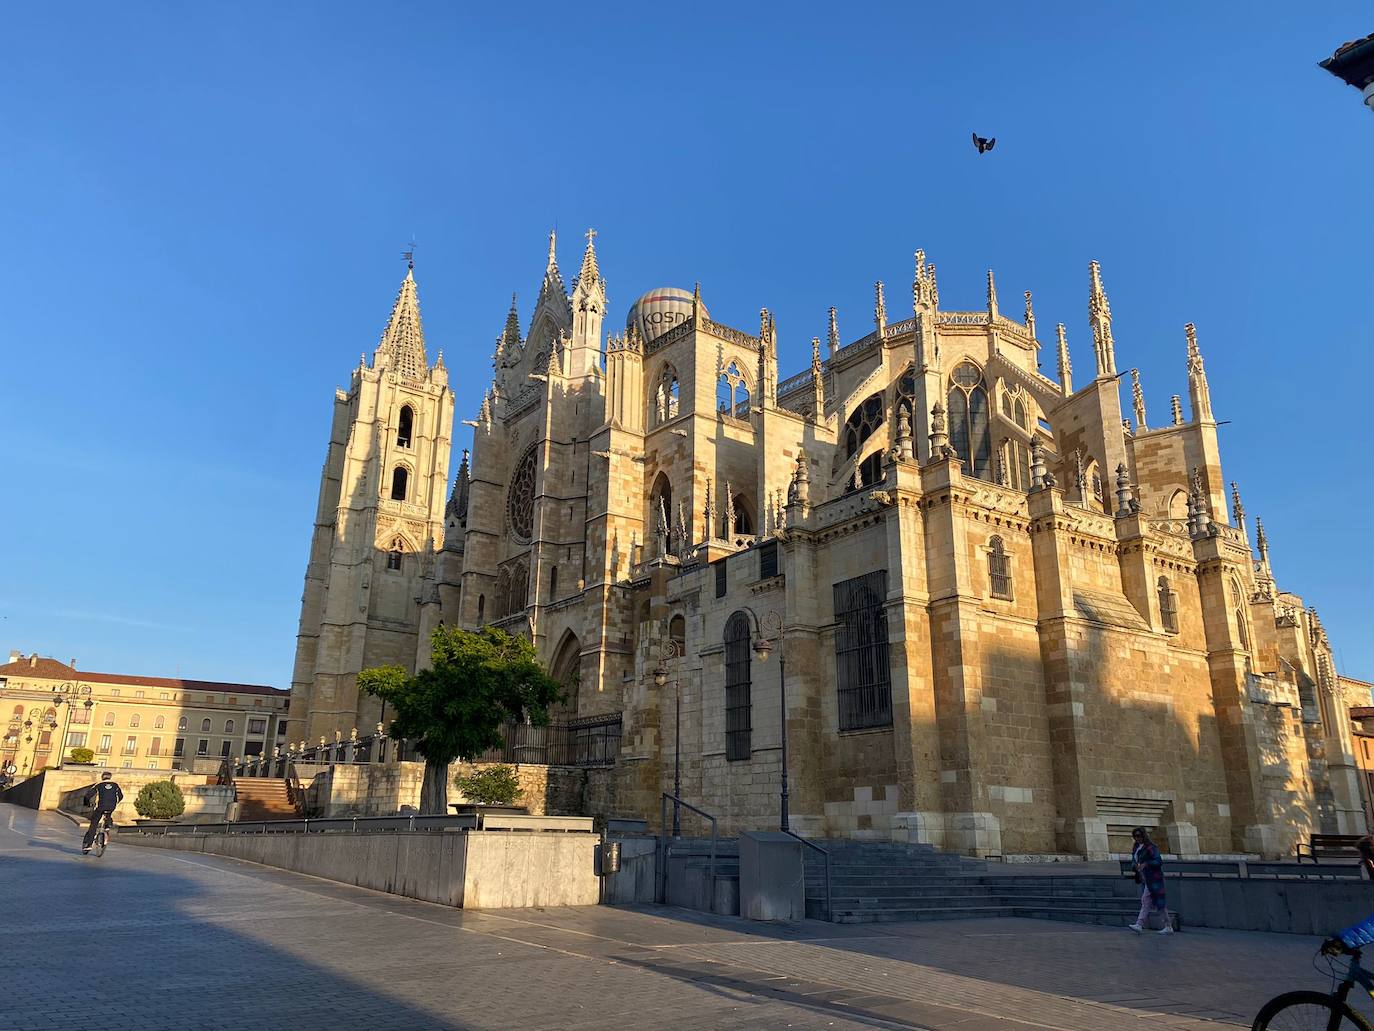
{"x":999,"y":569}
{"x":862,"y":423}
{"x":666,"y":396}
{"x":906,"y":390}
{"x":744,"y":522}
{"x":400,"y":480}
{"x":862,"y":666}
{"x":405,"y":426}
{"x":1168,"y":606}
{"x":969,"y":433}
{"x":732,"y":393}
{"x":520,"y":499}
{"x":738,"y":710}
{"x":661,"y":502}
{"x":1016,"y":462}
{"x":1014,"y":408}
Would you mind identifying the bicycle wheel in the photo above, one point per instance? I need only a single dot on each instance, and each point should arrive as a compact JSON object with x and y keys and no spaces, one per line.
{"x":1308,"y":1011}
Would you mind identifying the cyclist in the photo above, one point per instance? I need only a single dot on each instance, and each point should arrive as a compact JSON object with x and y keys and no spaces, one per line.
{"x":106,"y":796}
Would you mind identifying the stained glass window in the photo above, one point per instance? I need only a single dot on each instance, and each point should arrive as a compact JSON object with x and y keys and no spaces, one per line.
{"x":521,"y":499}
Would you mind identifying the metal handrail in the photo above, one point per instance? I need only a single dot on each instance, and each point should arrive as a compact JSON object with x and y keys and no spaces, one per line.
{"x":829,"y":913}
{"x":663,"y":842}
{"x":408,"y":823}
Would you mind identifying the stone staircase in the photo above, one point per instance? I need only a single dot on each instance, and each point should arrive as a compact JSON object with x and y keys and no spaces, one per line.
{"x":264,"y":798}
{"x":888,"y":881}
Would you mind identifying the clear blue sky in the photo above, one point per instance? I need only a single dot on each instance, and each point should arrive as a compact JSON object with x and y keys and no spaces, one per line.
{"x":203,"y":208}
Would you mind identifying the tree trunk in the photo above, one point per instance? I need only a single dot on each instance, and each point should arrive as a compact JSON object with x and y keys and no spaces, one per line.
{"x":434,"y":790}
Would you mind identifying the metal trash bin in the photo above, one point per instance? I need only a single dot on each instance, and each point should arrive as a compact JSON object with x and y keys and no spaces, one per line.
{"x":610,"y":858}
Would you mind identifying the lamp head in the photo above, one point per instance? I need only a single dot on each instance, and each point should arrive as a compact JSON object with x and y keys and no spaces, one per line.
{"x":661,"y":675}
{"x":762,"y":649}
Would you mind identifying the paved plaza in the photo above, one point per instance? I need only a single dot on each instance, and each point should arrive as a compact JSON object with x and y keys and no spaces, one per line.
{"x":146,"y":939}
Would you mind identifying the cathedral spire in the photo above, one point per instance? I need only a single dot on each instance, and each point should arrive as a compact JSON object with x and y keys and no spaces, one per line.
{"x":1199,"y":394}
{"x":879,"y":307}
{"x":1065,"y":366}
{"x":1030,"y":316}
{"x":817,"y":379}
{"x":1138,"y":401}
{"x":1176,"y":403}
{"x":1100,"y":315}
{"x":1237,"y":509}
{"x":833,"y":334}
{"x":553,"y":287}
{"x":402,"y":347}
{"x":457,"y":508}
{"x":992,"y":297}
{"x":590,"y":271}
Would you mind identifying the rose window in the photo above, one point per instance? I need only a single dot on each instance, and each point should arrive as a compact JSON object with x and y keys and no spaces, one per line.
{"x":520,"y":505}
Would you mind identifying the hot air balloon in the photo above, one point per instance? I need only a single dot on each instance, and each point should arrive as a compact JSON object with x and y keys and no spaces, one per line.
{"x":659,"y":311}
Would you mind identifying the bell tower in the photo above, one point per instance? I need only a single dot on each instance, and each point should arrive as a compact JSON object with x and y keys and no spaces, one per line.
{"x":379,"y":522}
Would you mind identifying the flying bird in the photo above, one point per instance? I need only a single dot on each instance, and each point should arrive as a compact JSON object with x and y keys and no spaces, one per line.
{"x":984,"y":145}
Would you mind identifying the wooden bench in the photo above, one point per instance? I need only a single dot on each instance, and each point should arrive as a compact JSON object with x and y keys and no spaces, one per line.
{"x":1339,"y":846}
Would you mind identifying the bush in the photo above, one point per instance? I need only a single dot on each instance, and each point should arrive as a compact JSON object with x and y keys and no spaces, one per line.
{"x":160,"y":800}
{"x":84,"y":756}
{"x":495,"y":785}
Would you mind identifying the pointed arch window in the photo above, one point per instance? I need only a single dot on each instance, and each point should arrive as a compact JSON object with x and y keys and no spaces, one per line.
{"x":661,"y":502}
{"x":405,"y":426}
{"x":738,"y":710}
{"x":400,"y":481}
{"x":732,"y":393}
{"x":1168,"y":606}
{"x":1016,"y":461}
{"x":969,"y":432}
{"x":862,"y":423}
{"x":395,"y":556}
{"x":999,"y":569}
{"x":481,"y":607}
{"x":666,"y":397}
{"x":553,"y":583}
{"x":744,"y":522}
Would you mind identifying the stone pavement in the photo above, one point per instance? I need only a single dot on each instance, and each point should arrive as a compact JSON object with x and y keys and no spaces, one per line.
{"x":151,"y":940}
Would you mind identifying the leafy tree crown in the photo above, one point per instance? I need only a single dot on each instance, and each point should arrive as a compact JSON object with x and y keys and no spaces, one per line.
{"x":491,"y":785}
{"x":160,"y":800}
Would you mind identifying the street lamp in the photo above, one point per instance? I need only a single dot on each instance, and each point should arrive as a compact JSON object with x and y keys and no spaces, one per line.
{"x":769,"y":637}
{"x":670,"y":649}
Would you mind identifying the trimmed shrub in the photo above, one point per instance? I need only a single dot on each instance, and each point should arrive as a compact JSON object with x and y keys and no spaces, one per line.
{"x":160,"y":800}
{"x":83,"y":756}
{"x":494,"y":785}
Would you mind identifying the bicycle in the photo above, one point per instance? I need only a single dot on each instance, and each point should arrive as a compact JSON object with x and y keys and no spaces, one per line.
{"x":102,"y":836}
{"x":1318,"y":1011}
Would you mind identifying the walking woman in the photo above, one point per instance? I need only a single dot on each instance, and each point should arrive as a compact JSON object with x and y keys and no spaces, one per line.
{"x":1149,"y":874}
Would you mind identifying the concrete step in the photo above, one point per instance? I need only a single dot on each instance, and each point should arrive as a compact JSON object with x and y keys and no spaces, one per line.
{"x":878,"y":916}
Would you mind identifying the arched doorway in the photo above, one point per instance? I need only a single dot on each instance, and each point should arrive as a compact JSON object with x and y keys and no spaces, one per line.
{"x":566,"y":668}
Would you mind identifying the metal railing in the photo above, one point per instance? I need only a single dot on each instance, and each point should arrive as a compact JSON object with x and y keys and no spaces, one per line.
{"x":825,"y":854}
{"x":663,"y":843}
{"x":409,"y":823}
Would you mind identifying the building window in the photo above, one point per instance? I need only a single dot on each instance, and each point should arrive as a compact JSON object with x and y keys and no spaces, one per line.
{"x":400,"y":479}
{"x":164,"y":696}
{"x":666,"y":397}
{"x":80,"y":714}
{"x":999,"y":570}
{"x":114,"y":692}
{"x":732,"y":393}
{"x":863,"y":422}
{"x":861,"y":653}
{"x":134,"y":719}
{"x":228,"y":726}
{"x":481,"y":606}
{"x":130,"y":745}
{"x":127,"y":764}
{"x":152,"y":764}
{"x":768,"y":560}
{"x":1168,"y":606}
{"x":405,"y":425}
{"x":202,"y":747}
{"x":257,"y":726}
{"x":224,"y":750}
{"x":109,"y":719}
{"x":179,"y":747}
{"x":553,"y":583}
{"x":969,"y":433}
{"x":719,"y":567}
{"x":76,"y":739}
{"x":155,"y":748}
{"x":139,"y":694}
{"x":393,"y":557}
{"x":520,"y":495}
{"x":205,"y":726}
{"x":738,"y":710}
{"x":104,"y":743}
{"x":181,"y":723}
{"x":159,"y":722}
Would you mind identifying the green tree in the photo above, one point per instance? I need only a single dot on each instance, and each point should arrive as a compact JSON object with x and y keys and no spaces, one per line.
{"x":478,"y":681}
{"x":160,"y":800}
{"x":82,"y":755}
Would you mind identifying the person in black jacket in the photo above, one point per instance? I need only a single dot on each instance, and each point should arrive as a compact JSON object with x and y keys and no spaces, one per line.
{"x":106,"y":796}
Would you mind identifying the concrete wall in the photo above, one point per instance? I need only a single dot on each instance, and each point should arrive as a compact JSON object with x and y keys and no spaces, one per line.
{"x":470,"y":869}
{"x":63,"y":788}
{"x":1289,"y":907}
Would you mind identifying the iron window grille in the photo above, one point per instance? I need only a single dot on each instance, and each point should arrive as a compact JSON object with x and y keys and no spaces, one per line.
{"x":999,"y":570}
{"x":862,"y":662}
{"x":1168,"y":606}
{"x":738,"y":710}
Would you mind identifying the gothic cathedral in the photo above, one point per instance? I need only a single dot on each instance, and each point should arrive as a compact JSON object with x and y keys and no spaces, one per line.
{"x":1005,"y":616}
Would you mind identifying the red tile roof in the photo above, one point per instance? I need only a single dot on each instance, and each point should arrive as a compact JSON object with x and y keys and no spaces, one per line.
{"x":51,"y":669}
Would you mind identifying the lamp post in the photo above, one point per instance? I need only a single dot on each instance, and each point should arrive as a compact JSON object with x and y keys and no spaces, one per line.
{"x":769,"y":637}
{"x":669,"y":649}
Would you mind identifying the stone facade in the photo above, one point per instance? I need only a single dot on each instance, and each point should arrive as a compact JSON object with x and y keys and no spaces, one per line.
{"x":1012,"y":619}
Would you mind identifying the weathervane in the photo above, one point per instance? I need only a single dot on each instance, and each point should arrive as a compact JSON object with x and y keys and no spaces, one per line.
{"x":409,"y":255}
